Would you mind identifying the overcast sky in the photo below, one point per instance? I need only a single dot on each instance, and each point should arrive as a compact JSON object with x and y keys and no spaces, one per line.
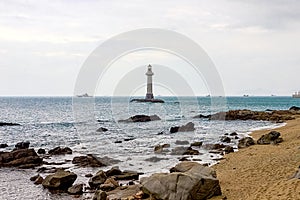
{"x":254,"y":44}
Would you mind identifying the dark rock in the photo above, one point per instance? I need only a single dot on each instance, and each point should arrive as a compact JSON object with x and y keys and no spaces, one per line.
{"x":190,"y":126}
{"x":187,"y":180}
{"x":141,"y":118}
{"x":76,"y":189}
{"x":100,"y":195}
{"x":118,"y":141}
{"x":128,"y":175}
{"x":39,"y":180}
{"x":160,"y":148}
{"x":270,"y":138}
{"x":178,"y":150}
{"x":88,"y":175}
{"x":33,"y":178}
{"x":113,"y":171}
{"x":214,"y":146}
{"x":93,"y":161}
{"x":245,"y":142}
{"x":202,"y":116}
{"x":128,"y":139}
{"x":9,"y":124}
{"x":41,"y":151}
{"x":60,"y":180}
{"x":98,"y":179}
{"x":109,"y":185}
{"x":3,"y":146}
{"x":184,"y":159}
{"x":60,"y":151}
{"x":225,"y":139}
{"x":294,"y":108}
{"x":22,"y":158}
{"x":22,"y":145}
{"x":155,"y":159}
{"x":197,"y":144}
{"x":191,"y":151}
{"x":233,"y":134}
{"x":228,"y":149}
{"x":236,"y":137}
{"x":102,"y":129}
{"x":182,"y":142}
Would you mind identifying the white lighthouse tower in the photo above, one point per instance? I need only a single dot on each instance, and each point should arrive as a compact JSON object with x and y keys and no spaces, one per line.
{"x":149,"y":74}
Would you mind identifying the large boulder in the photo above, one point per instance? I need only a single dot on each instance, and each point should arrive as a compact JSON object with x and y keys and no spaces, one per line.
{"x":246,"y":142}
{"x":190,"y":126}
{"x":60,"y":151}
{"x":22,"y":158}
{"x":60,"y":180}
{"x":271,"y":138}
{"x":141,"y":118}
{"x":187,"y":180}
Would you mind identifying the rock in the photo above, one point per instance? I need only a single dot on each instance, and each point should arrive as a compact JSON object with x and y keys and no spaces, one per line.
{"x":33,"y":178}
{"x":128,"y":139}
{"x":88,"y":175}
{"x":233,"y":134}
{"x":294,"y":108}
{"x":113,"y":171}
{"x":197,"y":144}
{"x":191,"y":151}
{"x":187,"y":180}
{"x":88,"y":161}
{"x":2,"y":146}
{"x":102,"y":129}
{"x":202,"y":116}
{"x":118,"y":141}
{"x":225,"y":139}
{"x":214,"y":146}
{"x":155,"y":159}
{"x":39,"y":180}
{"x":128,"y":175}
{"x":228,"y":149}
{"x":178,"y":150}
{"x":160,"y":148}
{"x":182,"y":142}
{"x":9,"y":124}
{"x":76,"y":189}
{"x":270,"y":138}
{"x":185,"y":128}
{"x":60,"y":180}
{"x":22,"y":145}
{"x":98,"y":179}
{"x":112,"y":181}
{"x":297,"y":174}
{"x":100,"y":195}
{"x":60,"y":151}
{"x":141,"y":118}
{"x":22,"y":158}
{"x":41,"y":151}
{"x":245,"y":142}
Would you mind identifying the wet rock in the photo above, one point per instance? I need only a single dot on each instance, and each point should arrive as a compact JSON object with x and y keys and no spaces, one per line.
{"x":228,"y":149}
{"x":109,"y":185}
{"x":141,"y":118}
{"x":41,"y":151}
{"x":160,"y":148}
{"x":182,"y":142}
{"x":100,"y":195}
{"x":155,"y":159}
{"x":128,"y":139}
{"x":184,"y":159}
{"x":270,"y":138}
{"x":9,"y":124}
{"x":33,"y":178}
{"x":2,"y":146}
{"x":187,"y":180}
{"x":113,"y":171}
{"x":225,"y":139}
{"x":245,"y":142}
{"x":128,"y":175}
{"x":60,"y":151}
{"x":39,"y":180}
{"x":125,"y":192}
{"x":233,"y":134}
{"x":22,"y":145}
{"x":22,"y":158}
{"x":294,"y":108}
{"x":190,"y":126}
{"x":196,"y":144}
{"x":102,"y":129}
{"x":88,"y":161}
{"x":76,"y":189}
{"x":214,"y":146}
{"x":61,"y":180}
{"x":88,"y":175}
{"x":202,"y":116}
{"x":178,"y":150}
{"x":98,"y":179}
{"x":118,"y":141}
{"x":191,"y":151}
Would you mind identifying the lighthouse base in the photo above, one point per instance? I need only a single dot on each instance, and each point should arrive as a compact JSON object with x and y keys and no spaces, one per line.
{"x":148,"y":100}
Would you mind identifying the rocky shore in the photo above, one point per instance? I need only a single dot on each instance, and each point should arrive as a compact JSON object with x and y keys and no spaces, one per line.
{"x":265,"y":163}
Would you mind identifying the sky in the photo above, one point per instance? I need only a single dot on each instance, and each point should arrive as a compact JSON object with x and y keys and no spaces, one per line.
{"x":254,"y":44}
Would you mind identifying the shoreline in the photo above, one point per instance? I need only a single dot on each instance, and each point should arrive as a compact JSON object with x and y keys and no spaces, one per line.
{"x":263,"y":171}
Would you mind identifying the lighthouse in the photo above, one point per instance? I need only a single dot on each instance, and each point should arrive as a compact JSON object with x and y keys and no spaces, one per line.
{"x":149,"y":74}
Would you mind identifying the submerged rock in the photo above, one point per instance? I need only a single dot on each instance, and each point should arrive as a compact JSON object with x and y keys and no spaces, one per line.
{"x":141,"y":118}
{"x":246,"y":142}
{"x":196,"y":144}
{"x":2,"y":146}
{"x":22,"y":145}
{"x":102,"y":129}
{"x":271,"y":138}
{"x":187,"y":180}
{"x":190,"y":126}
{"x":60,"y":180}
{"x":182,"y":142}
{"x":160,"y":148}
{"x":60,"y":151}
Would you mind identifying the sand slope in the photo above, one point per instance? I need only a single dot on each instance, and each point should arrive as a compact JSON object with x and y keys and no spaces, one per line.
{"x":263,"y":171}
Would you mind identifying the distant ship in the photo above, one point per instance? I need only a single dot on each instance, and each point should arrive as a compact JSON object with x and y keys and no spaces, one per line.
{"x":83,"y":95}
{"x":296,"y":95}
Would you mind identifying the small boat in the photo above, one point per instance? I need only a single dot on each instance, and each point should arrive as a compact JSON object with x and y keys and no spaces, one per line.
{"x":296,"y":95}
{"x":84,"y":95}
{"x":246,"y":95}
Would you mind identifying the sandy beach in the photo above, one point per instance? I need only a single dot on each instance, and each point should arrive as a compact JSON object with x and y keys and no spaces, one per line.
{"x":263,"y":171}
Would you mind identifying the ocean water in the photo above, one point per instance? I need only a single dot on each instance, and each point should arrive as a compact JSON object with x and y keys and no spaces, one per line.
{"x":48,"y":122}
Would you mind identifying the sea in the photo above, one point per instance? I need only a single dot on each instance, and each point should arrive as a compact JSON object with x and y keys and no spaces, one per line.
{"x":48,"y":122}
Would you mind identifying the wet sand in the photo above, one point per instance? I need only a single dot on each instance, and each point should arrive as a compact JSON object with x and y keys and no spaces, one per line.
{"x":263,"y":171}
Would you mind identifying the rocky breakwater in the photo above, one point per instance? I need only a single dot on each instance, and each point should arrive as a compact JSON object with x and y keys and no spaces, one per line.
{"x":275,"y":116}
{"x":187,"y":180}
{"x":21,"y":157}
